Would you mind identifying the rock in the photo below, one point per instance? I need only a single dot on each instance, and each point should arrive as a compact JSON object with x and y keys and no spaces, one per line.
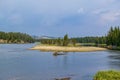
{"x":58,"y":53}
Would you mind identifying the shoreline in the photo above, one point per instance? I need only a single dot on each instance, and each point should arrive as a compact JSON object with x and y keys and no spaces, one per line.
{"x":67,"y":49}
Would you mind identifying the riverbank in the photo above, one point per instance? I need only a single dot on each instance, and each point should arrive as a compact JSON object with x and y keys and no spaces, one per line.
{"x":66,"y":49}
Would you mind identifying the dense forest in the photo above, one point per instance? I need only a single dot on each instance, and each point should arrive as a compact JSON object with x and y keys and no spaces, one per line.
{"x":96,"y":40}
{"x":113,"y":36}
{"x":111,"y":39}
{"x":15,"y":37}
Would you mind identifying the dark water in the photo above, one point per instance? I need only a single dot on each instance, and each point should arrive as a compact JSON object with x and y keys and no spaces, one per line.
{"x":19,"y":63}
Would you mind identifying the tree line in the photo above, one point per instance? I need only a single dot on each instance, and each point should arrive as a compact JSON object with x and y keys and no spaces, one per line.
{"x":59,"y":41}
{"x":96,"y":40}
{"x":15,"y":37}
{"x":112,"y":38}
{"x":73,"y":41}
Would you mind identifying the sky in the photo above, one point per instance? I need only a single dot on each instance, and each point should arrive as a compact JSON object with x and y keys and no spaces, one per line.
{"x":77,"y":18}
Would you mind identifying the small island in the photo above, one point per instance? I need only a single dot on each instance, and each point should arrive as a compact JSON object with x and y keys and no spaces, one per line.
{"x":65,"y":45}
{"x":67,"y":49}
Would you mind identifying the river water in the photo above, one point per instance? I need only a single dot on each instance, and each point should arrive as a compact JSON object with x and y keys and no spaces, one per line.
{"x":17,"y":62}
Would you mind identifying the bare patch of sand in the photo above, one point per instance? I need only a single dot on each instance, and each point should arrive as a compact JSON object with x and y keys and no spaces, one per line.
{"x":67,"y":49}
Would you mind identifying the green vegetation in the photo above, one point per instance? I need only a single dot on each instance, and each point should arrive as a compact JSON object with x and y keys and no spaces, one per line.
{"x":15,"y":37}
{"x":107,"y":75}
{"x":113,"y":36}
{"x":95,"y":40}
{"x":65,"y":40}
{"x":83,"y":41}
{"x":111,"y":40}
{"x":60,"y":41}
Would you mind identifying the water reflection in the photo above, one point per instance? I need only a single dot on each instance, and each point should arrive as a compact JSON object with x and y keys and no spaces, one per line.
{"x":114,"y":59}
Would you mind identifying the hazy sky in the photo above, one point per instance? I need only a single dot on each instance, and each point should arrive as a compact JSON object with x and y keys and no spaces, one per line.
{"x":58,"y":17}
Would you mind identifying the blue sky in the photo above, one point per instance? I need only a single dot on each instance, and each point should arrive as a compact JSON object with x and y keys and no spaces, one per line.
{"x":58,"y":17}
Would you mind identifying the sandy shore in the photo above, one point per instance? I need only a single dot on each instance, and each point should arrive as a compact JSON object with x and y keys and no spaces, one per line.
{"x":67,"y":49}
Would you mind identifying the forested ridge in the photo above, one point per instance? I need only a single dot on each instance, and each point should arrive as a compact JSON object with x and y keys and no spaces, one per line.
{"x":15,"y":37}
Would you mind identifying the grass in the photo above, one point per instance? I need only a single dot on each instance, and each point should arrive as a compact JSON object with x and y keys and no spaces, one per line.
{"x":107,"y":75}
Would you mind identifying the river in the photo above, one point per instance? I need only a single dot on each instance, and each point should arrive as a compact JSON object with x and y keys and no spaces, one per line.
{"x":17,"y":62}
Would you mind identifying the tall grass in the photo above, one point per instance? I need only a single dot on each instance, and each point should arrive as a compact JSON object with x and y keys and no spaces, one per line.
{"x":107,"y":75}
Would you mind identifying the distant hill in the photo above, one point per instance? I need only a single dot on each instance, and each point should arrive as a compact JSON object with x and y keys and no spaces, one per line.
{"x":44,"y":37}
{"x":47,"y":37}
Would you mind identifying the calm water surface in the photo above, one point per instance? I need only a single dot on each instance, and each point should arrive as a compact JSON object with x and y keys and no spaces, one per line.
{"x":19,"y":63}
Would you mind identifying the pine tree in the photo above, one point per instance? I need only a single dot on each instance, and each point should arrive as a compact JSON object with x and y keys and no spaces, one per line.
{"x":65,"y":40}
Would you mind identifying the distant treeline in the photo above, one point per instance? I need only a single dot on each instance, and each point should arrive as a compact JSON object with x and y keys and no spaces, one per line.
{"x":111,"y":39}
{"x":15,"y":37}
{"x":88,"y":41}
{"x":60,"y":41}
{"x":96,"y":40}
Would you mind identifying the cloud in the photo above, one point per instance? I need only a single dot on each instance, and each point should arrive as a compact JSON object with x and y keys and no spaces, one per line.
{"x":47,"y":16}
{"x":109,"y":17}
